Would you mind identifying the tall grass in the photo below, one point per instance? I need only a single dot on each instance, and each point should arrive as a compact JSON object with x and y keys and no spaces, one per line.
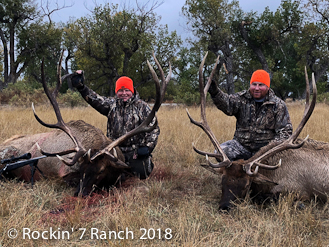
{"x":177,"y":204}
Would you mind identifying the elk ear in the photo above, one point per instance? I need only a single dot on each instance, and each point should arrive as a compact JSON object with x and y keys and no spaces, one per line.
{"x":261,"y":179}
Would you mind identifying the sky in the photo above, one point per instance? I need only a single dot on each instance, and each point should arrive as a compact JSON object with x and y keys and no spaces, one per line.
{"x":170,"y":11}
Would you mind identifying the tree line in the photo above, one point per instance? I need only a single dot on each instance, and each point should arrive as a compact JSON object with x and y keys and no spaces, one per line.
{"x":112,"y":42}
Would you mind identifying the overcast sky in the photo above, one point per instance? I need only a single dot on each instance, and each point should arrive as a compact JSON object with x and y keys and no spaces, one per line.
{"x":170,"y":10}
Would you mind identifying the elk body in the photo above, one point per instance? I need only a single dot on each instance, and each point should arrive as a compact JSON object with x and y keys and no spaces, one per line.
{"x":304,"y":169}
{"x":76,"y":151}
{"x":99,"y":174}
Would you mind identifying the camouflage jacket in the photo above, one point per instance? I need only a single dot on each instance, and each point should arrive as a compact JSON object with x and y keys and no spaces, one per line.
{"x":123,"y":117}
{"x":257,"y":123}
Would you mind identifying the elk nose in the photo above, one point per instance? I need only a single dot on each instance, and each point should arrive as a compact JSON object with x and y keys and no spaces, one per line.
{"x":226,"y":206}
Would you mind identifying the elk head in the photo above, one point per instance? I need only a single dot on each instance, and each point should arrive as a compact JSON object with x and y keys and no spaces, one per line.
{"x":237,"y":176}
{"x":99,"y":166}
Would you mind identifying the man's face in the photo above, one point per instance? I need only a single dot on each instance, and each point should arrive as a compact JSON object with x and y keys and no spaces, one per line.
{"x":124,"y":94}
{"x":258,"y":90}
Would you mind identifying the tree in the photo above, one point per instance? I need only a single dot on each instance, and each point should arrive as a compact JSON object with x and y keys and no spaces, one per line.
{"x":43,"y":41}
{"x":14,"y":17}
{"x":166,"y":46}
{"x":187,"y":79}
{"x":70,"y":40}
{"x":273,"y":38}
{"x":27,"y":39}
{"x":114,"y":42}
{"x":316,"y":32}
{"x":211,"y":22}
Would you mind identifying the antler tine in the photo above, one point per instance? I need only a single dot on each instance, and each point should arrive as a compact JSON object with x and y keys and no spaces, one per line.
{"x":59,"y":79}
{"x":54,"y":154}
{"x":308,"y":107}
{"x":60,"y":122}
{"x":206,"y":88}
{"x":288,"y":143}
{"x":215,"y":155}
{"x":156,"y":79}
{"x":145,"y":125}
{"x":203,"y":124}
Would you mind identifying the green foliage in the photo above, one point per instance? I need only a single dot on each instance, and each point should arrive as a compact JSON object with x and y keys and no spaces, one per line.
{"x":20,"y":86}
{"x":188,"y":98}
{"x":115,"y":41}
{"x":72,"y":99}
{"x":281,"y":42}
{"x":171,"y":91}
{"x":323,"y":97}
{"x":112,"y":43}
{"x":22,"y":94}
{"x":16,"y":18}
{"x":187,"y":79}
{"x":211,"y":22}
{"x":147,"y":91}
{"x":210,"y":18}
{"x":44,"y":43}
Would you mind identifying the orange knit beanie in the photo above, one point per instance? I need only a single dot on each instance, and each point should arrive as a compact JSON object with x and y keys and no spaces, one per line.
{"x":261,"y":76}
{"x":124,"y":82}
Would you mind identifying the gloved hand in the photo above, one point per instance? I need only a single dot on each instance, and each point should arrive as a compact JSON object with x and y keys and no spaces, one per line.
{"x":77,"y":79}
{"x":143,"y":151}
{"x":213,"y":89}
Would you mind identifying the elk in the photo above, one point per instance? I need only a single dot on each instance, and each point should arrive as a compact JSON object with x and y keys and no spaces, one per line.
{"x":304,"y":169}
{"x":95,"y":161}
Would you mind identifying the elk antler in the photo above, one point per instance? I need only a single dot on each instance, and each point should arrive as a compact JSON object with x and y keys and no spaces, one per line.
{"x":288,"y":143}
{"x":220,"y":155}
{"x":145,"y":125}
{"x":80,"y":151}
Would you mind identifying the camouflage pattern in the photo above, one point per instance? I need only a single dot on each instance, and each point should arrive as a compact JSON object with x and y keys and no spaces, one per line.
{"x":235,"y":151}
{"x":123,"y":117}
{"x":257,"y":123}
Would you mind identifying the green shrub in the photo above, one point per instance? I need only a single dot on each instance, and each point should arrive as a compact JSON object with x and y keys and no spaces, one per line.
{"x":188,"y":98}
{"x":21,"y":94}
{"x":323,"y":97}
{"x":20,"y":86}
{"x":72,"y":99}
{"x":18,"y":94}
{"x":19,"y":100}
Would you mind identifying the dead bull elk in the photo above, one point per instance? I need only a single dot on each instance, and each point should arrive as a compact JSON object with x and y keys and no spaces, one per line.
{"x":304,"y":169}
{"x":95,"y":161}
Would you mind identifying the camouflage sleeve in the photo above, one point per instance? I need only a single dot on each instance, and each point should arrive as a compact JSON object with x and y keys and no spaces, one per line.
{"x":99,"y":103}
{"x":283,"y":127}
{"x":150,"y":138}
{"x":229,"y":104}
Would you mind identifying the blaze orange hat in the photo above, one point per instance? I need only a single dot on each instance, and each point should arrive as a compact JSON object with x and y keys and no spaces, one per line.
{"x":261,"y":76}
{"x":124,"y":82}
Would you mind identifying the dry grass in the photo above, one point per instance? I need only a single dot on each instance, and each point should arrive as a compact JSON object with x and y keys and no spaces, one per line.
{"x":180,"y":195}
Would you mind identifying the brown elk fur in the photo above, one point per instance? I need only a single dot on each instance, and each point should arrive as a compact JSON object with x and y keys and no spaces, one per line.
{"x":304,"y":171}
{"x":96,"y":161}
{"x":56,"y":141}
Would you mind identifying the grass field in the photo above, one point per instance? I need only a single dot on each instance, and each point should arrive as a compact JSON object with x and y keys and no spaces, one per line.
{"x":176,"y":206}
